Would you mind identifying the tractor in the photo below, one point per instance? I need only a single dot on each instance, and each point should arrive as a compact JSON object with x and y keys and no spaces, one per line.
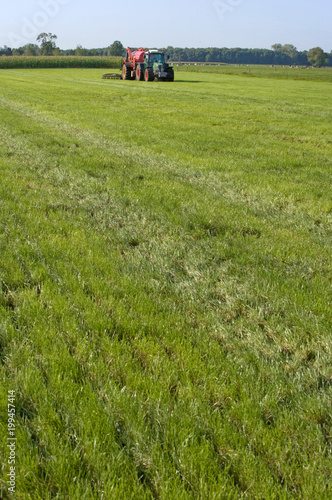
{"x":147,"y":65}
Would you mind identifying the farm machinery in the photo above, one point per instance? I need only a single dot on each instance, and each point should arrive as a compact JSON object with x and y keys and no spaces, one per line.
{"x":147,"y":65}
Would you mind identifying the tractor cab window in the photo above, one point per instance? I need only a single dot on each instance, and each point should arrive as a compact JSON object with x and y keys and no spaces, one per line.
{"x":156,"y":58}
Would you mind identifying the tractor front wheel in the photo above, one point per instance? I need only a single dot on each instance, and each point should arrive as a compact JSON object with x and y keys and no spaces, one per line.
{"x":148,"y":75}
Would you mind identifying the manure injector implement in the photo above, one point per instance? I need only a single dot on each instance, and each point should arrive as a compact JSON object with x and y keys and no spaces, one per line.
{"x":147,"y":65}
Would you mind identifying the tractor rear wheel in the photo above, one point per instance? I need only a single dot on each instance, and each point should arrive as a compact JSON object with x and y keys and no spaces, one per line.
{"x":148,"y":75}
{"x":140,"y":72}
{"x":126,"y":73}
{"x":170,"y":75}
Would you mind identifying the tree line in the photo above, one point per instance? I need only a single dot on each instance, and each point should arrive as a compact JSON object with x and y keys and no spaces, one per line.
{"x":47,"y":47}
{"x":279,"y":54}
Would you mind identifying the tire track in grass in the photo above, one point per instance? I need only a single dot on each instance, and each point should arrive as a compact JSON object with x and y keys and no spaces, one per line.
{"x":219,"y":183}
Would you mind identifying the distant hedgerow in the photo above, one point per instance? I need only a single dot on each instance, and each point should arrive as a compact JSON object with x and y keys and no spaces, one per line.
{"x":12,"y":62}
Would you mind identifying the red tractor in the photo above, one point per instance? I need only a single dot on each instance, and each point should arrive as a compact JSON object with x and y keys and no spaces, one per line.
{"x":147,"y":65}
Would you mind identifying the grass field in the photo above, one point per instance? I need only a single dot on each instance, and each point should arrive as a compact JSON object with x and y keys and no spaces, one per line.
{"x":165,"y":286}
{"x":264,"y":71}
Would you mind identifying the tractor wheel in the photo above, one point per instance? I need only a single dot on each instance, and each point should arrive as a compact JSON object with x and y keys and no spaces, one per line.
{"x":126,"y":73}
{"x":170,"y":75}
{"x":140,"y":72}
{"x":148,"y":75}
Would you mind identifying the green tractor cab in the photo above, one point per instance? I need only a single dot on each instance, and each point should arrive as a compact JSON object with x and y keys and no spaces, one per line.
{"x":156,"y":66}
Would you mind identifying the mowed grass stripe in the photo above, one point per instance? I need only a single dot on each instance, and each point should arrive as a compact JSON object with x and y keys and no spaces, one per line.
{"x":219,"y":177}
{"x":192,"y":202}
{"x":252,"y":123}
{"x":178,"y":320}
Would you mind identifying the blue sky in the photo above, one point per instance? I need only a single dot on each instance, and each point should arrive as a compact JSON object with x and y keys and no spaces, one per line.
{"x":194,"y":23}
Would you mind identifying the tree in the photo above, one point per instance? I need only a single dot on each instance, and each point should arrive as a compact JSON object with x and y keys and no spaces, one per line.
{"x":30,"y":49}
{"x":116,"y":49}
{"x":317,"y":57}
{"x":290,"y":50}
{"x":17,"y":52}
{"x":80,"y":51}
{"x":5,"y":51}
{"x":47,"y":46}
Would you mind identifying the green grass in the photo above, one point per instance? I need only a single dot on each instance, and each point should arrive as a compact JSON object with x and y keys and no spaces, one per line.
{"x":263,"y":71}
{"x":165,"y":270}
